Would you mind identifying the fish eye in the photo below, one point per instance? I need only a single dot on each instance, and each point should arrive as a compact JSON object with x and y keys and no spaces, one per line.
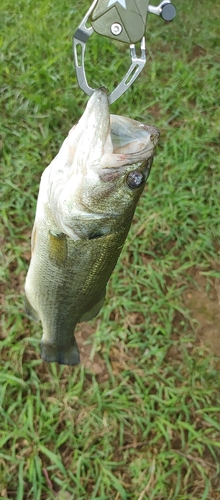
{"x":135,"y":179}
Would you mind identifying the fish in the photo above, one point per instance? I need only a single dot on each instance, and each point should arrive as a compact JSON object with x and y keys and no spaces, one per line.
{"x":86,"y":202}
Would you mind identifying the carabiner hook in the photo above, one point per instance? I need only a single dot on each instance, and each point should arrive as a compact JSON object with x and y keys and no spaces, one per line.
{"x":122,"y":23}
{"x":80,"y":39}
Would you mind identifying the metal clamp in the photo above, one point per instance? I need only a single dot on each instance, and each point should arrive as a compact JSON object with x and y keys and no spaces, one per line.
{"x":115,"y":19}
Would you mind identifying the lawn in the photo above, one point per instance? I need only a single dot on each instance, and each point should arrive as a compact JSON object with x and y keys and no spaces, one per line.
{"x":139,"y":419}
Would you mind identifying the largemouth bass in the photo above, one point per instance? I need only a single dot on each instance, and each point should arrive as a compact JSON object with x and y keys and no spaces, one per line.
{"x":87,"y":198}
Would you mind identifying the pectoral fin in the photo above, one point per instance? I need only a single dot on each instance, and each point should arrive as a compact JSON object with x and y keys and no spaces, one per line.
{"x":94,"y":310}
{"x":58,"y":248}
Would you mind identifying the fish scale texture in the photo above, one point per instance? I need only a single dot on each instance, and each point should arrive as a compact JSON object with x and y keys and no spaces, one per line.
{"x":61,"y":293}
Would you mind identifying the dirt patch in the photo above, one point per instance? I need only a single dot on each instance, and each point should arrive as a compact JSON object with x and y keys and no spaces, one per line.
{"x":197,"y":52}
{"x":94,"y":364}
{"x":203,"y":301}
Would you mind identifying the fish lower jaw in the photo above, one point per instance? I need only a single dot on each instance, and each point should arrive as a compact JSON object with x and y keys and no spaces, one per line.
{"x":120,"y":160}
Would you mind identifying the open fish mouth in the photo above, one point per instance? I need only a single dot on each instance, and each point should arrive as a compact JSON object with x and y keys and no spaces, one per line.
{"x":101,"y":140}
{"x":132,"y":139}
{"x":127,"y":141}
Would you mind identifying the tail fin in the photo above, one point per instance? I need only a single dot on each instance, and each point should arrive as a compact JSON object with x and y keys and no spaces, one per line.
{"x":64,"y":355}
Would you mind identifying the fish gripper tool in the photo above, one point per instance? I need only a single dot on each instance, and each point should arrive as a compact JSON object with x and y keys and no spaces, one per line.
{"x":121,"y":20}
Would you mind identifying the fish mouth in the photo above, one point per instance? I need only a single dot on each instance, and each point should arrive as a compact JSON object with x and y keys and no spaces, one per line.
{"x":101,"y":140}
{"x":114,"y":140}
{"x":132,"y":141}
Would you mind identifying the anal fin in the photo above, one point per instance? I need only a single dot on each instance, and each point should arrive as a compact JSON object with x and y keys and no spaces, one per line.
{"x":31,"y":312}
{"x":94,"y":310}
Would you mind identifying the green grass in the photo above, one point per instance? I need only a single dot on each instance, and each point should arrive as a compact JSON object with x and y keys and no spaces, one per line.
{"x":147,"y":427}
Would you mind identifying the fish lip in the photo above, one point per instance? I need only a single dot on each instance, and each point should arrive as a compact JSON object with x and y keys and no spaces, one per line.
{"x":97,"y":115}
{"x":89,"y":139}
